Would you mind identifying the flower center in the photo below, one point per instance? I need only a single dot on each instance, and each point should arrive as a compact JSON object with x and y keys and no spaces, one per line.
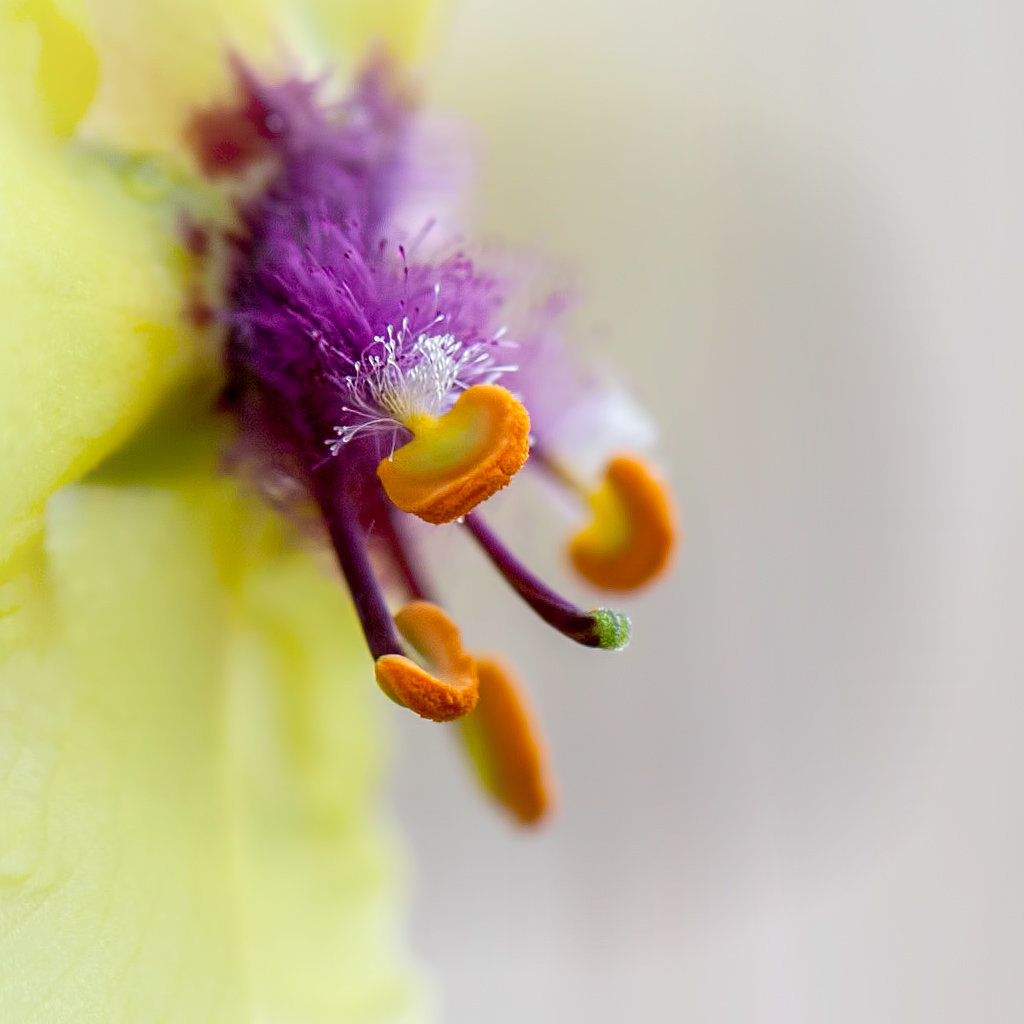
{"x":371,"y":374}
{"x":408,"y":382}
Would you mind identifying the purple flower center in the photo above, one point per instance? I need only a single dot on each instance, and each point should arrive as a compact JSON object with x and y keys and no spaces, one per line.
{"x":350,"y":341}
{"x":340,"y":332}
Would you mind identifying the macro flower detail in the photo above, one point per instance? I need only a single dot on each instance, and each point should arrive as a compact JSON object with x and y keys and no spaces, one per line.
{"x":375,"y":371}
{"x":219,"y":278}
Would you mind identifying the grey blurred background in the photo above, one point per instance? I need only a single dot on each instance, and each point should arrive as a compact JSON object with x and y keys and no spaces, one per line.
{"x":798,"y":796}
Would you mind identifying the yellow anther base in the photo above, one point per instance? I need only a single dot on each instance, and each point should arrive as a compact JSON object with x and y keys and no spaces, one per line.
{"x":632,"y":536}
{"x":460,"y":459}
{"x":449,"y":694}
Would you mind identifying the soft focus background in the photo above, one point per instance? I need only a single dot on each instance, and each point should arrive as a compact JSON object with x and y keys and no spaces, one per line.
{"x":799,"y":796}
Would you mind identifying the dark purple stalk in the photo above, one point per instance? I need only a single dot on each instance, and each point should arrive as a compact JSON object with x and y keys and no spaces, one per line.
{"x":600,"y":627}
{"x":349,"y":542}
{"x":405,"y":559}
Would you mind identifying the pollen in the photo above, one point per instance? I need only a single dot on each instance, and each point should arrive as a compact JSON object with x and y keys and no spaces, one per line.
{"x":449,"y":694}
{"x":502,"y":739}
{"x":458,"y":460}
{"x":632,"y":535}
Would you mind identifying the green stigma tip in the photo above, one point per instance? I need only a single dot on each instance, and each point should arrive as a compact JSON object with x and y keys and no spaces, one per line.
{"x":613,"y":629}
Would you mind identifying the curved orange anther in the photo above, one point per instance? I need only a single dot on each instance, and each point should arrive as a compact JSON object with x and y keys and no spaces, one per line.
{"x":633,"y":533}
{"x":460,"y":459}
{"x":449,"y":694}
{"x":503,"y":740}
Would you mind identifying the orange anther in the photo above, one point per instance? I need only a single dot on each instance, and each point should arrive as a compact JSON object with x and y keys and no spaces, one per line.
{"x":633,"y":532}
{"x":505,"y":745}
{"x":460,"y":459}
{"x":449,"y":694}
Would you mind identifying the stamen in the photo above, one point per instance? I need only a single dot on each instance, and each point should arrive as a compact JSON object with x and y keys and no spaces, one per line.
{"x":632,"y":536}
{"x":600,"y":627}
{"x":504,"y":743}
{"x":423,"y":625}
{"x":453,"y":693}
{"x":458,"y":460}
{"x":404,"y":557}
{"x":354,"y":561}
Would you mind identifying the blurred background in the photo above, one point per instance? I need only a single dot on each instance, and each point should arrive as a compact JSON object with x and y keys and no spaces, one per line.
{"x":798,"y":796}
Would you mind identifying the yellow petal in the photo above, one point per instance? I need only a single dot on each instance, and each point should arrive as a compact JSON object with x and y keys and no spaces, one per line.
{"x":319,"y":879}
{"x":137,"y":70}
{"x":50,"y":68}
{"x":115,"y":875}
{"x":128,"y":74}
{"x":91,"y":336}
{"x":187,"y":777}
{"x":403,"y":25}
{"x":160,"y":59}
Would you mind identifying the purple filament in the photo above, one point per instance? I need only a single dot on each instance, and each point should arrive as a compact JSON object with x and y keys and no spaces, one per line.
{"x":350,"y":547}
{"x":571,"y":621}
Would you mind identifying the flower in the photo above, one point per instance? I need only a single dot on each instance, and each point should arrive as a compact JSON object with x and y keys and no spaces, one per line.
{"x":214,"y":266}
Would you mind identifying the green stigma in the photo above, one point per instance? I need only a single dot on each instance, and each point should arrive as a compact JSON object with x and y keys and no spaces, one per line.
{"x":613,"y":629}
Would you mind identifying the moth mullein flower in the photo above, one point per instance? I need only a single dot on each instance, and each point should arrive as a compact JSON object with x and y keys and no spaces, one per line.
{"x":189,"y":751}
{"x":220,"y":272}
{"x":376,"y":373}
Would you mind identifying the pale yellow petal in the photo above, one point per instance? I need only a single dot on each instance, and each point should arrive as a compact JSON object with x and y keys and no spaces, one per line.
{"x":116,"y":880}
{"x":404,"y":26}
{"x":319,"y":878}
{"x":160,"y":59}
{"x":188,"y":766}
{"x":49,"y":68}
{"x":129,"y":74}
{"x":91,"y":336}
